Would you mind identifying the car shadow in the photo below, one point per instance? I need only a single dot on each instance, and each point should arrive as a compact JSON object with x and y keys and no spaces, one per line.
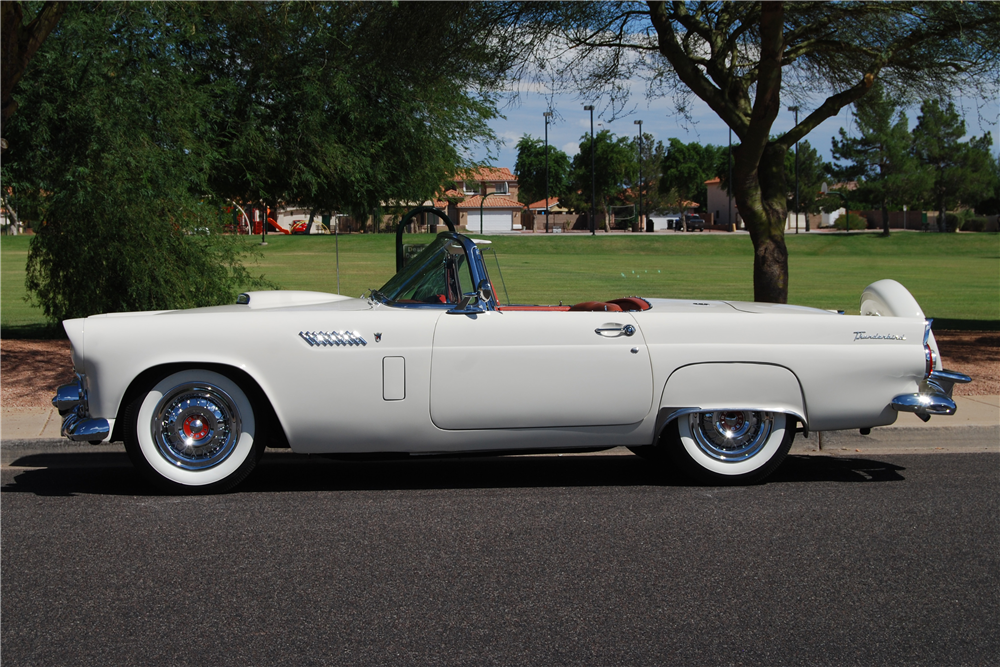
{"x":111,"y":473}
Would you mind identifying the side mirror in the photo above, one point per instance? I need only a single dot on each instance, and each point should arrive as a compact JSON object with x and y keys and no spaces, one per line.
{"x":484,"y":291}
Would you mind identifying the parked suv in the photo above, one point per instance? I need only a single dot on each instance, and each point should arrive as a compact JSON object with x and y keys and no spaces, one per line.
{"x":696,"y":222}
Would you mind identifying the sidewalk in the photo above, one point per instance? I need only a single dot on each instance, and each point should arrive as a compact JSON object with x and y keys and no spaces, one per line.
{"x":974,"y":428}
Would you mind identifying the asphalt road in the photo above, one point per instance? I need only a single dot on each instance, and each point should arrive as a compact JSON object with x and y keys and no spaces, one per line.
{"x":589,"y":559}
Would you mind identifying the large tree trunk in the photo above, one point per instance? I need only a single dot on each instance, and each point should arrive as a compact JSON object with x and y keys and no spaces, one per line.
{"x":885,"y":217}
{"x":760,"y":199}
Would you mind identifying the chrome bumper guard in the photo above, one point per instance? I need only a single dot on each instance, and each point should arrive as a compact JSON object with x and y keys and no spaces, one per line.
{"x":78,"y":425}
{"x":936,"y":397}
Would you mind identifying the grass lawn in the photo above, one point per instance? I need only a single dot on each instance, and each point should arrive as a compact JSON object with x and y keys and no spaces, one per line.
{"x":954,"y":277}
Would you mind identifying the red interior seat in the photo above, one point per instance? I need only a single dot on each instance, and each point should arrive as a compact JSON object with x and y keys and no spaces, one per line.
{"x":631,"y":303}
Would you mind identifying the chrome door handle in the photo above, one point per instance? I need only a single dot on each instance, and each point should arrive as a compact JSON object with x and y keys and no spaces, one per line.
{"x":613,"y":330}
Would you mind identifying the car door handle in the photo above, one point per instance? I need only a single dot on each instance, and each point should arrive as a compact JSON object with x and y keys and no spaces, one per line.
{"x":613,"y":330}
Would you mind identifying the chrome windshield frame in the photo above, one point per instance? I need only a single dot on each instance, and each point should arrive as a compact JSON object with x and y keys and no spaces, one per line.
{"x":477,"y":270}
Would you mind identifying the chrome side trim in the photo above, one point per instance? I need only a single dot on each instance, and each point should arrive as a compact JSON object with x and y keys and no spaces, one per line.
{"x":332,"y":338}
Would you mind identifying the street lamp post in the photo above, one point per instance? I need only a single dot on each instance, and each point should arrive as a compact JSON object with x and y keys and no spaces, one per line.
{"x":795,"y":110}
{"x":729,"y":183}
{"x":593,"y":177}
{"x":547,"y":115}
{"x":639,"y":123}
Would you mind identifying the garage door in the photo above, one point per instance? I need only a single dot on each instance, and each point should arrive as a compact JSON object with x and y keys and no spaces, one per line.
{"x":492,"y":221}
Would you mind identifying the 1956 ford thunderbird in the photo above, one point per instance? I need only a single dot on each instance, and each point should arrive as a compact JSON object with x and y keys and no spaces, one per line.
{"x":433,"y":363}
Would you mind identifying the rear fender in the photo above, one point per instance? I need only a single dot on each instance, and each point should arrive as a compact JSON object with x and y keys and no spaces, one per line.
{"x":888,"y":298}
{"x":731,"y":386}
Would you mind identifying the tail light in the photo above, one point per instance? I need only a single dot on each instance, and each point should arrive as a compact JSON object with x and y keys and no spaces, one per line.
{"x":929,"y":360}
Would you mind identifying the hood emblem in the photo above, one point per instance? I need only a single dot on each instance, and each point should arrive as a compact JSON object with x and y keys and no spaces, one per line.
{"x":378,"y":337}
{"x":332,"y":338}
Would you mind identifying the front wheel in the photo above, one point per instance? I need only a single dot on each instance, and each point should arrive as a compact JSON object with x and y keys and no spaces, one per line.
{"x":194,"y":431}
{"x":729,"y":446}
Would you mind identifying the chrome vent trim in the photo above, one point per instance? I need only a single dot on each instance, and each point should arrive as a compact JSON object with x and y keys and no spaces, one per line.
{"x":332,"y":338}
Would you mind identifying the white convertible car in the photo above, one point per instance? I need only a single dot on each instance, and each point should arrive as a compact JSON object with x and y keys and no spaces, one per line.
{"x":432,"y":363}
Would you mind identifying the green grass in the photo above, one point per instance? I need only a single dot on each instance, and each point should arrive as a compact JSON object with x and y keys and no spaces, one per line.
{"x":955,"y":277}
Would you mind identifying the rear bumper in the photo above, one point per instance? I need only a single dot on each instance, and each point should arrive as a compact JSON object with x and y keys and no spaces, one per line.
{"x":935,"y":399}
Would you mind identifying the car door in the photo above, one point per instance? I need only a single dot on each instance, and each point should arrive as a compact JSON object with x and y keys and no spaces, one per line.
{"x":538,"y":369}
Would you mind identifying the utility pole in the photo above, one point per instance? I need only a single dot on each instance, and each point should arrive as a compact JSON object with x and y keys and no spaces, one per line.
{"x":593,"y":177}
{"x":547,"y":115}
{"x":639,"y":123}
{"x":795,"y":110}
{"x":729,"y":183}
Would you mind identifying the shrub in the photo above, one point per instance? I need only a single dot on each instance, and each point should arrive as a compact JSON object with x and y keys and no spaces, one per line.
{"x":851,"y":221}
{"x":974,"y":225}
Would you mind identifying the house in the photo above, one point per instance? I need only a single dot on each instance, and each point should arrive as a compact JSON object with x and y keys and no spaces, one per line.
{"x":538,"y":207}
{"x":719,"y":209}
{"x":493,"y":189}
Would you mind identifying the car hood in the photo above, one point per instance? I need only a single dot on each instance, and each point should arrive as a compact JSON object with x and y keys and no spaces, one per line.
{"x":270,"y":300}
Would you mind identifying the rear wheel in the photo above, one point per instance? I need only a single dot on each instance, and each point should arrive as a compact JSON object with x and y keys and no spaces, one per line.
{"x":194,"y":431}
{"x":729,"y":446}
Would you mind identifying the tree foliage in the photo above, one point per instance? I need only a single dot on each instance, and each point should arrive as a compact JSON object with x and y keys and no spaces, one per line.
{"x":881,"y":157}
{"x":531,"y":173}
{"x":141,"y":122}
{"x":958,"y":172}
{"x":685,"y":169}
{"x":614,"y":167}
{"x":19,"y":42}
{"x":107,"y":153}
{"x":651,"y":154}
{"x":744,"y":59}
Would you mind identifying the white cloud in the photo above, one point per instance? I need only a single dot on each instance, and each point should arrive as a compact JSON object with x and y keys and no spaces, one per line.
{"x":570,"y":149}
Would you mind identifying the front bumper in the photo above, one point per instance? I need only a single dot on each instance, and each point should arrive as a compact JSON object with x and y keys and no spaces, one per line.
{"x":935,"y":399}
{"x":78,"y":425}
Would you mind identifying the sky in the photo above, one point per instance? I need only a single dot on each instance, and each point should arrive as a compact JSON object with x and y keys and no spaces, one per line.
{"x":661,"y":121}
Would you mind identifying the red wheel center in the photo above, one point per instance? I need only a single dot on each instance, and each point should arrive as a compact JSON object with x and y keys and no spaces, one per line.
{"x":732,"y":420}
{"x":194,"y":427}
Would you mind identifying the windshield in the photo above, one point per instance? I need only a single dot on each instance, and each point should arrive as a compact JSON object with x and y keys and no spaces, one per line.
{"x":440,"y":274}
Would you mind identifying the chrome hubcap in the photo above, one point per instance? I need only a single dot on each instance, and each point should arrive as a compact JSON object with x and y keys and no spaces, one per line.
{"x":732,"y":435}
{"x":196,"y":426}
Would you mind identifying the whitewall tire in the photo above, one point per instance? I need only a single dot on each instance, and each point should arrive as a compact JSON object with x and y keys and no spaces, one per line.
{"x":193,"y":431}
{"x":729,"y":446}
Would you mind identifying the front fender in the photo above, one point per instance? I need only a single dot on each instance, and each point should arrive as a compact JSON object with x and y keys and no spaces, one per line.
{"x":734,"y":386}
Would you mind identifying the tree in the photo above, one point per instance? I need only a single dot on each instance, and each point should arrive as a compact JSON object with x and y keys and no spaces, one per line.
{"x":685,"y":169}
{"x":19,"y":44}
{"x":881,"y":157}
{"x":530,"y":170}
{"x":741,"y":59}
{"x":107,"y":153}
{"x":147,"y":119}
{"x":339,"y":121}
{"x":959,"y":173}
{"x":614,"y":167}
{"x":813,"y":171}
{"x":651,"y":157}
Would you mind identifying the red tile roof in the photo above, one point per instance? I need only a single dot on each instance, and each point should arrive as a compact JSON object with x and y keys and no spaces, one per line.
{"x":553,"y":202}
{"x":493,"y":201}
{"x":486,"y":174}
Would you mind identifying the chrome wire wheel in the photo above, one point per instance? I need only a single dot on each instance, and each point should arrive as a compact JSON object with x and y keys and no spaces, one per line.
{"x":196,"y":426}
{"x":194,"y":431}
{"x":731,"y":435}
{"x":729,"y":446}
